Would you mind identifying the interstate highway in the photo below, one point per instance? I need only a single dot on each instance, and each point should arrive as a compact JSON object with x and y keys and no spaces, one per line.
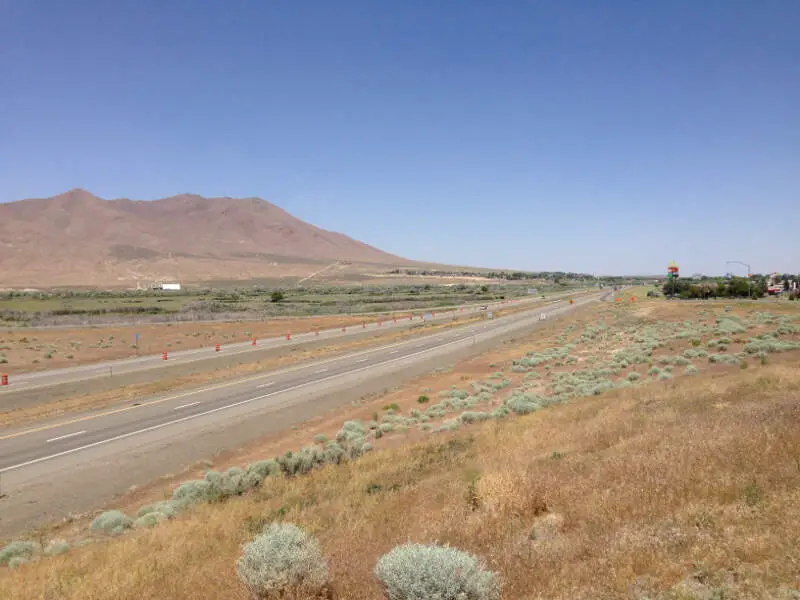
{"x":153,"y":367}
{"x":74,"y":464}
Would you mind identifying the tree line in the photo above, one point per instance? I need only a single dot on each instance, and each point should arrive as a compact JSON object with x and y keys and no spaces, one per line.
{"x":735,"y":287}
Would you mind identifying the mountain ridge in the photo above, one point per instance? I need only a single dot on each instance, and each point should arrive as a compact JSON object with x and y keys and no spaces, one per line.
{"x":77,"y":238}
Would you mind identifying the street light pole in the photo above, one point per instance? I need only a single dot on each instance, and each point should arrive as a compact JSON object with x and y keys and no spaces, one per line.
{"x":738,"y":262}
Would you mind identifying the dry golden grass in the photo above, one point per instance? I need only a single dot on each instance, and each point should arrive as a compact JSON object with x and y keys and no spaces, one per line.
{"x":649,"y":486}
{"x":680,"y":489}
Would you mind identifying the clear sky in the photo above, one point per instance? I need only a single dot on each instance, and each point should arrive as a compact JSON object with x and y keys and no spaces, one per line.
{"x":592,"y":136}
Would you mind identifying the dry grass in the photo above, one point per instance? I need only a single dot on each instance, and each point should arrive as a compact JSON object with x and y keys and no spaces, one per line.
{"x":652,"y":485}
{"x":681,"y":489}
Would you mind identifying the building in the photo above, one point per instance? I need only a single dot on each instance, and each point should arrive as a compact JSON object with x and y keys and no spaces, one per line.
{"x":171,"y":286}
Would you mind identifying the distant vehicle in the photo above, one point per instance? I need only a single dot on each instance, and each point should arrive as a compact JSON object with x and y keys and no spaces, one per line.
{"x":484,"y":307}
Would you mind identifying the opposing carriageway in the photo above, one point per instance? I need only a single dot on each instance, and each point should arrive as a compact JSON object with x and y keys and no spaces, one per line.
{"x":157,"y":367}
{"x":79,"y":463}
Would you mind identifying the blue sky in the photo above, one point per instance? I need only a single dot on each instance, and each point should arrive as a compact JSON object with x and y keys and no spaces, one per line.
{"x":602,"y":137}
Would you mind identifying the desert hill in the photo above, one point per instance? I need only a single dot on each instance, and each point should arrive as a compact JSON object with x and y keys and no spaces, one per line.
{"x":79,"y":239}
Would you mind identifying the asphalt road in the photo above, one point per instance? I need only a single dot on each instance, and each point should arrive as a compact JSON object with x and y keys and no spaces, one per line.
{"x":80,"y":463}
{"x":117,"y":368}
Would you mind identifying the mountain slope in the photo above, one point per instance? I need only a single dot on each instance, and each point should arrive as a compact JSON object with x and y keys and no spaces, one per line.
{"x":77,"y":238}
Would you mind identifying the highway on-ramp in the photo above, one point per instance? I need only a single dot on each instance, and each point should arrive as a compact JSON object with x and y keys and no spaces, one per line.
{"x":79,"y":463}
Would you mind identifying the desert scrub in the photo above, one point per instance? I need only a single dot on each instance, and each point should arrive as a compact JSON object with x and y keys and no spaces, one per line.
{"x":523,"y":404}
{"x":634,"y":376}
{"x":473,"y":416}
{"x":500,"y":412}
{"x":449,"y":425}
{"x":191,"y":492}
{"x":351,"y":432}
{"x":767,"y":346}
{"x":437,"y":411}
{"x":690,"y":370}
{"x":416,"y":571}
{"x":111,"y":522}
{"x":667,"y":360}
{"x":499,"y":385}
{"x":56,"y":547}
{"x":723,"y":359}
{"x":589,"y":382}
{"x":307,"y":459}
{"x":730,"y":324}
{"x":149,"y":520}
{"x":283,"y":561}
{"x":21,"y":549}
{"x":164,"y":508}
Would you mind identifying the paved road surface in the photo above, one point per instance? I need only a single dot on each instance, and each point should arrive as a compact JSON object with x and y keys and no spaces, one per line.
{"x":79,"y":463}
{"x":25,"y":382}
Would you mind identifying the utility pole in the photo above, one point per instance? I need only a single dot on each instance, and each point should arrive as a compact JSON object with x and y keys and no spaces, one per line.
{"x":749,"y":283}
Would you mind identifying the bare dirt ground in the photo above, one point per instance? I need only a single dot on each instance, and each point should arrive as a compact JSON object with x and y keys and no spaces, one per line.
{"x":657,"y":459}
{"x":122,"y":394}
{"x":36,"y":350}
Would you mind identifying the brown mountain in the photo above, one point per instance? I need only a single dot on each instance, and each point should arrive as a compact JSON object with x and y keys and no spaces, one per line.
{"x":77,"y":238}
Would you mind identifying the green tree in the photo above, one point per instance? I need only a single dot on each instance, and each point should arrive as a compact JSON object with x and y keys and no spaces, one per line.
{"x":277,"y":296}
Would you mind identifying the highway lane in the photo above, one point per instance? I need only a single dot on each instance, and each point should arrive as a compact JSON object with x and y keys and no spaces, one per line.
{"x":84,"y":431}
{"x":44,"y":379}
{"x":80,"y":463}
{"x":19,"y":448}
{"x":120,"y":366}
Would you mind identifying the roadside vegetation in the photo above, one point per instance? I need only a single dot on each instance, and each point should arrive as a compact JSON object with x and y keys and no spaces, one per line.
{"x":719,"y":287}
{"x":73,"y":403}
{"x":95,"y":307}
{"x":645,"y":450}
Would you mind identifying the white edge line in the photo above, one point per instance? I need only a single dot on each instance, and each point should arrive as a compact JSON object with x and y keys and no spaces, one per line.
{"x":220,"y":408}
{"x":63,"y":437}
{"x":227,"y":406}
{"x":214,"y":410}
{"x":146,"y":361}
{"x":186,"y":405}
{"x":410,"y":342}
